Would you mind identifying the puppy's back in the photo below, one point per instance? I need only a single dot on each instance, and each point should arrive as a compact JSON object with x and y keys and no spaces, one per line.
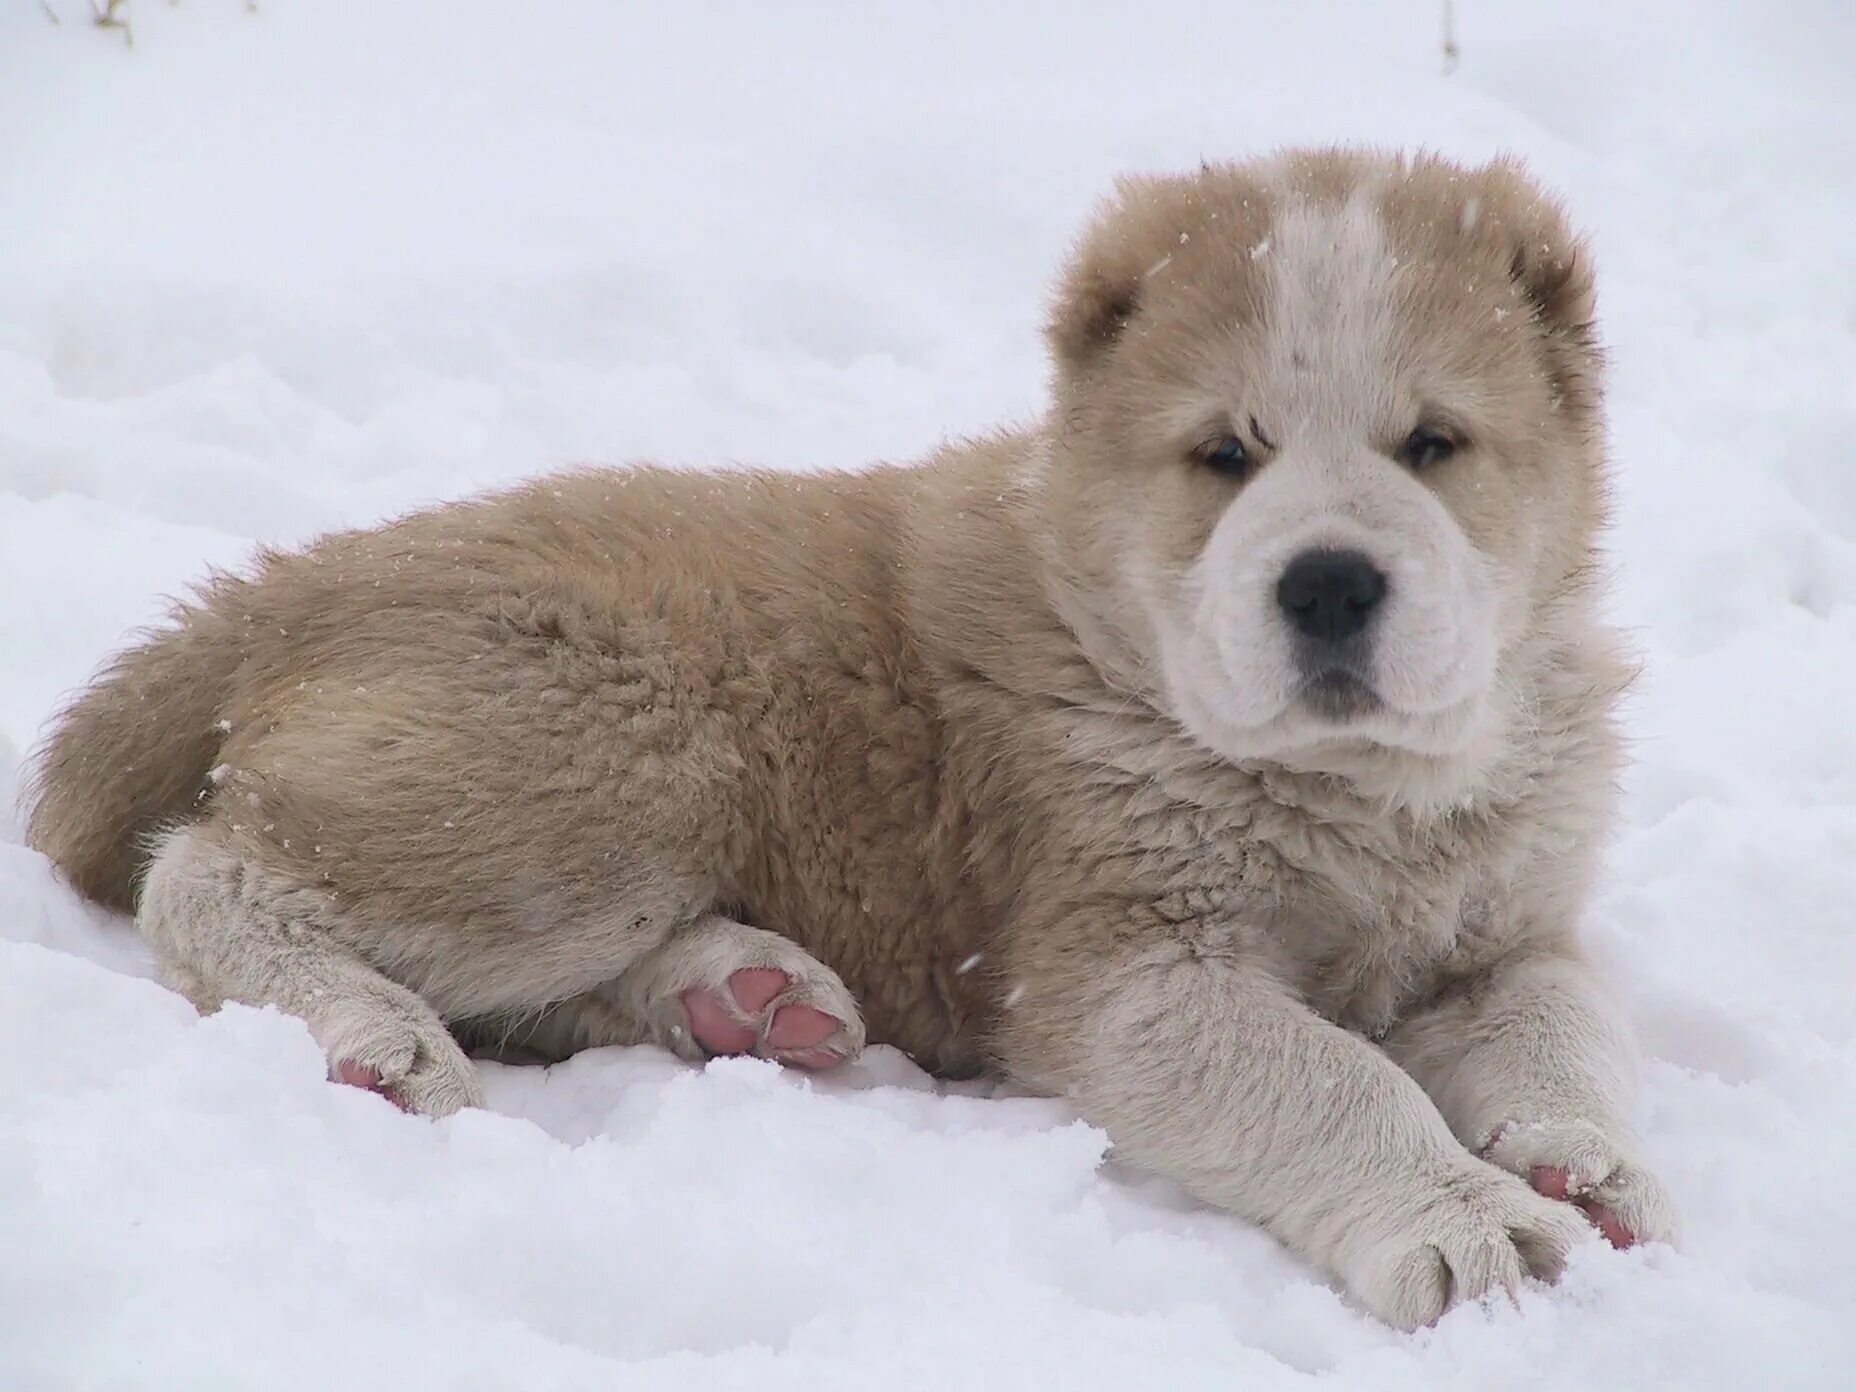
{"x":729,"y":560}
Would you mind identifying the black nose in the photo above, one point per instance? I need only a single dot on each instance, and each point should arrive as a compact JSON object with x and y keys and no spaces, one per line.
{"x":1329,"y":595}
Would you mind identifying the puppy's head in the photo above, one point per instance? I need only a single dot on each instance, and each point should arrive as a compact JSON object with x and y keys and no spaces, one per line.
{"x":1326,"y":449}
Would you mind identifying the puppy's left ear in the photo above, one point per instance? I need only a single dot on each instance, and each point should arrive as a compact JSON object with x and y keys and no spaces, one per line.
{"x":1552,"y":268}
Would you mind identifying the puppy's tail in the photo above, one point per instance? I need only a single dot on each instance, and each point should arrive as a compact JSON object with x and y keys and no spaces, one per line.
{"x":132,"y":754}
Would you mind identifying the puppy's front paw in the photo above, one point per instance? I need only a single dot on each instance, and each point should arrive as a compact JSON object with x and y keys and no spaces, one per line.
{"x":1577,"y":1162}
{"x":1468,"y":1233}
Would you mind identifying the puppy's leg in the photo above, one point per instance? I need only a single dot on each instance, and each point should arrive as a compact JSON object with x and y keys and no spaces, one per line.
{"x":1533,"y":1070}
{"x":1205,"y":1069}
{"x":715,"y":987}
{"x":224,"y":929}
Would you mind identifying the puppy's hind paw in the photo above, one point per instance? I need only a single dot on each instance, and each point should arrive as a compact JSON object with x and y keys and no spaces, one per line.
{"x":722,"y":987}
{"x":762,"y":1010}
{"x":404,"y":1054}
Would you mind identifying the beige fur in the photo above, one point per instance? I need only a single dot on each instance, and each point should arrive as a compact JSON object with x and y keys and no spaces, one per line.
{"x":1009,"y":758}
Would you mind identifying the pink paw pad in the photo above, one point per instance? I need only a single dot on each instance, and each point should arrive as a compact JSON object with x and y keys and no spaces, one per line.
{"x":1554,"y":1183}
{"x":365,"y":1077}
{"x":796,"y":1035}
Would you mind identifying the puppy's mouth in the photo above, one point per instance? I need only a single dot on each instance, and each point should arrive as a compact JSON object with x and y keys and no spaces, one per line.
{"x":1338,"y":693}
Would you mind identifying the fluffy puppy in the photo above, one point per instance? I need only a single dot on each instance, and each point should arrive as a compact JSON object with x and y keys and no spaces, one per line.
{"x":1229,"y":752}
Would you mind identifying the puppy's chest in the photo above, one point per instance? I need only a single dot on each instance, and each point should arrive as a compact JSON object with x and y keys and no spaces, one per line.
{"x":1362,"y":918}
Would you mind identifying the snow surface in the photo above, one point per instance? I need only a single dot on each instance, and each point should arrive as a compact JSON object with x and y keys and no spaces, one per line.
{"x":272,"y":272}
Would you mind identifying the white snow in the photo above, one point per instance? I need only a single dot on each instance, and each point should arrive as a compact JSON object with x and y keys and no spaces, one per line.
{"x":271,"y":272}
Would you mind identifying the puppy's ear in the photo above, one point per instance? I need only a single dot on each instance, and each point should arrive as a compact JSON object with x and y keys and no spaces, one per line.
{"x":1552,"y":268}
{"x":1099,"y":294}
{"x":1551,"y":265}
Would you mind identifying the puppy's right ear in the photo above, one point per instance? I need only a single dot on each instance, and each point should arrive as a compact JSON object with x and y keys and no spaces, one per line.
{"x":1100,"y":292}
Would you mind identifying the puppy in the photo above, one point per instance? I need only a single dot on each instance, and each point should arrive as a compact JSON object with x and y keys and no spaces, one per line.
{"x":1229,"y":753}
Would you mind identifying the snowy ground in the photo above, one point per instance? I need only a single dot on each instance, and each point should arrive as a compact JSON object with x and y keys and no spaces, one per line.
{"x":268,"y":273}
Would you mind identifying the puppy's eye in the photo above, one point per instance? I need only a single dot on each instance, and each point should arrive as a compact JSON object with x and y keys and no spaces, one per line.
{"x":1425,"y":448}
{"x":1226,"y":455}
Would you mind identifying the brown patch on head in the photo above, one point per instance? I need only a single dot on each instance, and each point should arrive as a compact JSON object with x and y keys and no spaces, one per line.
{"x":1497,"y":301}
{"x":1153,"y":236}
{"x":1493,"y":222}
{"x":1553,"y":268}
{"x":1162,"y":296}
